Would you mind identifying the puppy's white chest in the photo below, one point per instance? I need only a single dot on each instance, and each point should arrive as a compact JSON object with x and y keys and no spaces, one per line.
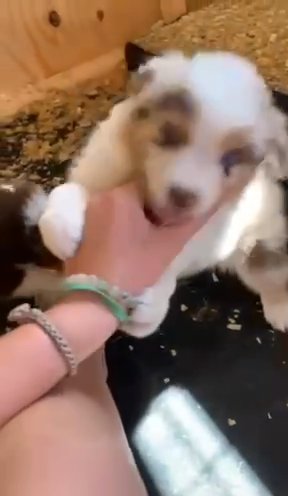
{"x":207,"y":248}
{"x":230,"y":229}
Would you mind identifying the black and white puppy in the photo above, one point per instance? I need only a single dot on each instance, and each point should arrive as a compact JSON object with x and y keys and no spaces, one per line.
{"x":27,"y":267}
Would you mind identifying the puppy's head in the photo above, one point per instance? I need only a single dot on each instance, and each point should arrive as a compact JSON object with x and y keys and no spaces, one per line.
{"x":199,"y":126}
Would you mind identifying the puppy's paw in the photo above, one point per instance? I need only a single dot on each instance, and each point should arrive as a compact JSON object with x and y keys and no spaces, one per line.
{"x":62,"y":222}
{"x":60,"y":235}
{"x":152,"y":310}
{"x":276,"y":314}
{"x":147,"y":317}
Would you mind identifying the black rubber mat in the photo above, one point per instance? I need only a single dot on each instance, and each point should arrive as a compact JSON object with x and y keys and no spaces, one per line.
{"x":218,"y":373}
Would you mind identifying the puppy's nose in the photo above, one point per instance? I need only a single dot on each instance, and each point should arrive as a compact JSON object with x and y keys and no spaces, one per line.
{"x":181,"y":197}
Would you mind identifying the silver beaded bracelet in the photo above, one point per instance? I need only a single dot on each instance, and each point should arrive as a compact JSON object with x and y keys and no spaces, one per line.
{"x":120,"y":303}
{"x":24,"y":314}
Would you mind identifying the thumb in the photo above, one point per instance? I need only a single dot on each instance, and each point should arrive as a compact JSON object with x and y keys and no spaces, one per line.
{"x":170,"y":240}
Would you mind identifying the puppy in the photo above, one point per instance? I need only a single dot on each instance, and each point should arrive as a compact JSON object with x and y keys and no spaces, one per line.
{"x":26,"y":266}
{"x":192,"y":129}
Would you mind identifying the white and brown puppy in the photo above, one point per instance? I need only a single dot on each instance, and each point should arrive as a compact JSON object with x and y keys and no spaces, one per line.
{"x":192,"y":128}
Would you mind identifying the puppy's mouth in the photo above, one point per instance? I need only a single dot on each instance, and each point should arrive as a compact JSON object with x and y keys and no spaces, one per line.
{"x":152,"y":216}
{"x":167,"y":216}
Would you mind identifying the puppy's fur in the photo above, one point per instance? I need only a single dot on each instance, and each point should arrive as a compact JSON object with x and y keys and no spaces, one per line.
{"x":26,"y":266}
{"x":192,"y":129}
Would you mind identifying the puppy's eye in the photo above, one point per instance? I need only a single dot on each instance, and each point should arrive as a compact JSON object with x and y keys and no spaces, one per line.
{"x":142,"y":113}
{"x":232,"y":158}
{"x":172,"y":136}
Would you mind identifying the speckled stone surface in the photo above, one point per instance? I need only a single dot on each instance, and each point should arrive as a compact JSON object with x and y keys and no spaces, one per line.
{"x":205,"y":400}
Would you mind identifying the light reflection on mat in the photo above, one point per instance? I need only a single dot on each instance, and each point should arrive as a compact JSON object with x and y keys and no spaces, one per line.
{"x":187,"y":455}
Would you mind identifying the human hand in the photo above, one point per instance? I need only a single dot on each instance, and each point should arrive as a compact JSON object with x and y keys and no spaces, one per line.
{"x":122,"y":247}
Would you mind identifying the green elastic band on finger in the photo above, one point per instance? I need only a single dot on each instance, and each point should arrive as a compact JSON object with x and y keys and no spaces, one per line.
{"x":113,"y":305}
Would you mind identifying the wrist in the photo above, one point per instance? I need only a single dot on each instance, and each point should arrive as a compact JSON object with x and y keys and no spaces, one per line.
{"x":86,"y":298}
{"x":120,"y":303}
{"x":84,"y":320}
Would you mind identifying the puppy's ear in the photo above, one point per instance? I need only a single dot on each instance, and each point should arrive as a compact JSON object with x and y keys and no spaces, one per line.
{"x":135,"y":56}
{"x":278,"y":144}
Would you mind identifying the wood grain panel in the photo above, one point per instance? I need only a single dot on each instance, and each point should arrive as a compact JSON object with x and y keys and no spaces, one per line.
{"x":41,"y":38}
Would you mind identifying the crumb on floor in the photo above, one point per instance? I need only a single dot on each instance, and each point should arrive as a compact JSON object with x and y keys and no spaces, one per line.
{"x":231,"y":422}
